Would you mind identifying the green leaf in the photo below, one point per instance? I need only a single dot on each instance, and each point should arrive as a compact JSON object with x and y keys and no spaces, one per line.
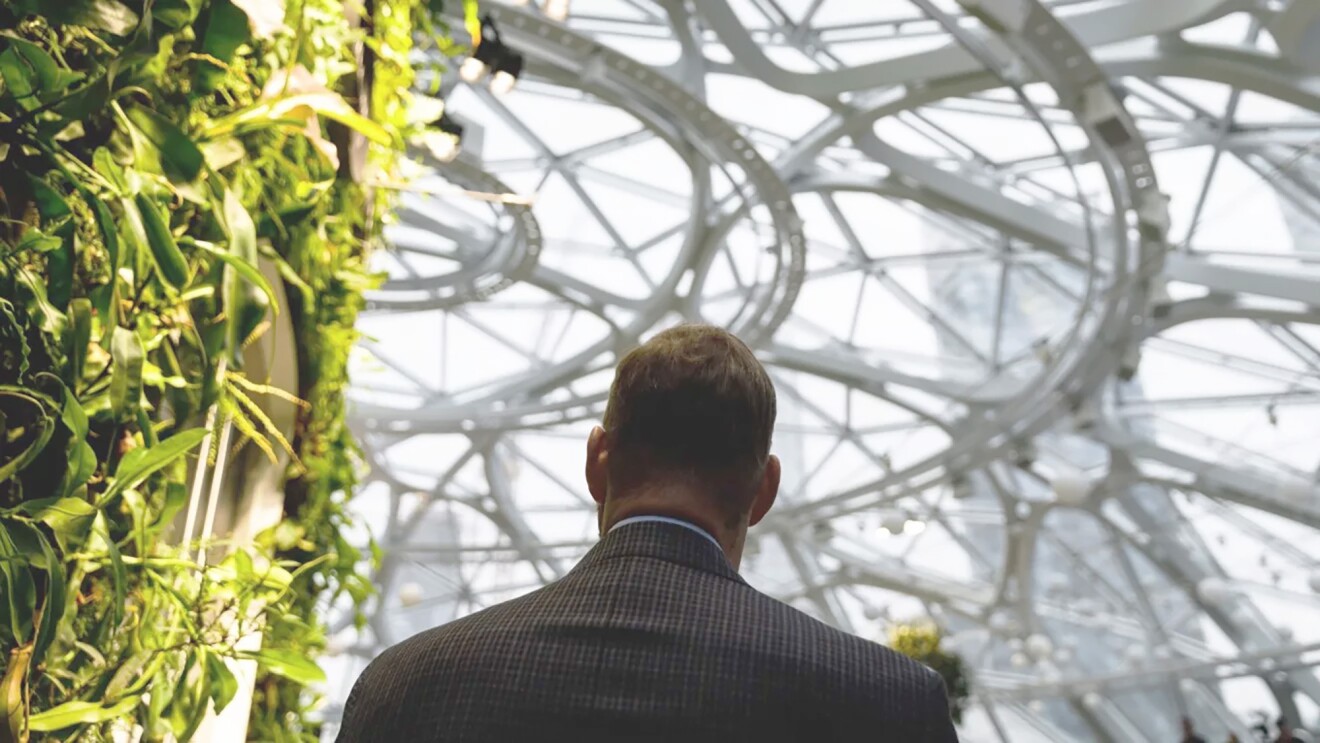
{"x":176,"y":496}
{"x":126,"y":376}
{"x":36,"y":441}
{"x":329,"y":105}
{"x":180,"y":158}
{"x":14,"y":349}
{"x":51,"y":320}
{"x":198,"y":698}
{"x":81,"y":456}
{"x":37,"y":241}
{"x":90,"y":99}
{"x":133,"y":471}
{"x":59,"y":274}
{"x":175,"y":14}
{"x":50,"y":203}
{"x":165,"y":251}
{"x":106,"y":298}
{"x":288,"y":664}
{"x":80,"y":713}
{"x":223,"y":684}
{"x":106,"y":15}
{"x":118,"y":572}
{"x":20,"y":79}
{"x":104,"y":164}
{"x":247,"y":270}
{"x":224,"y":30}
{"x":162,"y":693}
{"x":53,"y":610}
{"x":31,"y":74}
{"x":27,"y":543}
{"x":71,"y":519}
{"x":109,"y":15}
{"x":19,"y":591}
{"x":130,"y":669}
{"x":78,"y":338}
{"x":242,"y":232}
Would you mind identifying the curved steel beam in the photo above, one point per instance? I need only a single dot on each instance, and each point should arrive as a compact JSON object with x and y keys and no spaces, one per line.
{"x":1095,"y":28}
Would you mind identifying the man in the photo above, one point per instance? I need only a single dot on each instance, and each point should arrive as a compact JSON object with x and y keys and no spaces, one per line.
{"x":653,"y":635}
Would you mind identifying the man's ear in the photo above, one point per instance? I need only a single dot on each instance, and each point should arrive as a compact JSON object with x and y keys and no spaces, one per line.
{"x":766,"y":491}
{"x":597,"y":459}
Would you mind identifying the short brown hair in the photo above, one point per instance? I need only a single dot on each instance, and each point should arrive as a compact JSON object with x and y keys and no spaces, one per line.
{"x":692,"y":403}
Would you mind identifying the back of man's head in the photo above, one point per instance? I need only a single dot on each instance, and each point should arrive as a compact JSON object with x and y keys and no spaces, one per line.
{"x":691,"y":407}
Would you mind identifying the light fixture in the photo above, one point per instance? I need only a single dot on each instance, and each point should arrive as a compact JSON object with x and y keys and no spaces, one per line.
{"x":508,"y":66}
{"x":410,"y":594}
{"x":491,"y":55}
{"x":472,"y":70}
{"x":894,"y":522}
{"x":556,"y":10}
{"x":446,"y":141}
{"x":489,"y":48}
{"x":1039,"y":646}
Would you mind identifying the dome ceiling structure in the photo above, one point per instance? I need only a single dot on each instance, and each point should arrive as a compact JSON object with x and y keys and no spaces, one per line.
{"x":1038,"y":284}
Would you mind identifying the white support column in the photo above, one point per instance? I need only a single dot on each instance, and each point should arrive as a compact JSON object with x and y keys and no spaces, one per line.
{"x":252,"y":496}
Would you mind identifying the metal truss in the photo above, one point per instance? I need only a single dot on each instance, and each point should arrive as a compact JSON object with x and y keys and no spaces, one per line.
{"x":1038,"y":284}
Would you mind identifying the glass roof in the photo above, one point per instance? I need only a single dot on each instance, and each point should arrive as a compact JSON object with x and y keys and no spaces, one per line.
{"x":1039,"y":289}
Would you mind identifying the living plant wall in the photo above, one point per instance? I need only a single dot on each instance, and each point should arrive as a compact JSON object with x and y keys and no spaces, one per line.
{"x":923,"y":642}
{"x":153,"y":154}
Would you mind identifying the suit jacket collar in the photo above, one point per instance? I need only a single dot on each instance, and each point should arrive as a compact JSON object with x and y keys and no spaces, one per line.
{"x":668,"y":542}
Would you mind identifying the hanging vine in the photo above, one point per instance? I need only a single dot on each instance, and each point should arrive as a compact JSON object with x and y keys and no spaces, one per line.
{"x":152,"y":152}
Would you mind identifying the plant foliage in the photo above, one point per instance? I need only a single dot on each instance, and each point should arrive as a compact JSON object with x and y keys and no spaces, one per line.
{"x":922,"y":642}
{"x":152,"y":152}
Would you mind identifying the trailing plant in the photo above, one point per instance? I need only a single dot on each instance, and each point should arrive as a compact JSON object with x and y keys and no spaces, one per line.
{"x":152,"y":152}
{"x":922,"y":642}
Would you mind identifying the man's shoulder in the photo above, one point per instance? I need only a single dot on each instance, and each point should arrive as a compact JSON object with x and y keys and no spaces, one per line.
{"x":469,"y":631}
{"x":847,"y":653}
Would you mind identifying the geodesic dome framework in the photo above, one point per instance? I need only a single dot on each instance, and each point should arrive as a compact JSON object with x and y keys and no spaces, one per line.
{"x":1038,"y":284}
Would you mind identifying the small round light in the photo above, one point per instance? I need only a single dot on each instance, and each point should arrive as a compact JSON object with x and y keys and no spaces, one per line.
{"x":444,"y":147}
{"x":472,"y":70}
{"x":556,"y":10}
{"x":410,"y":594}
{"x":502,"y":82}
{"x":1039,"y":646}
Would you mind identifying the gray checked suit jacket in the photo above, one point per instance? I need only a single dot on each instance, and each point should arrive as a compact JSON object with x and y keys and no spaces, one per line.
{"x":653,"y":636}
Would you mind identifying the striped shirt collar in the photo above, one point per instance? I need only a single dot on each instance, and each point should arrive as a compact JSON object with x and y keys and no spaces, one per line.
{"x":669,"y":520}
